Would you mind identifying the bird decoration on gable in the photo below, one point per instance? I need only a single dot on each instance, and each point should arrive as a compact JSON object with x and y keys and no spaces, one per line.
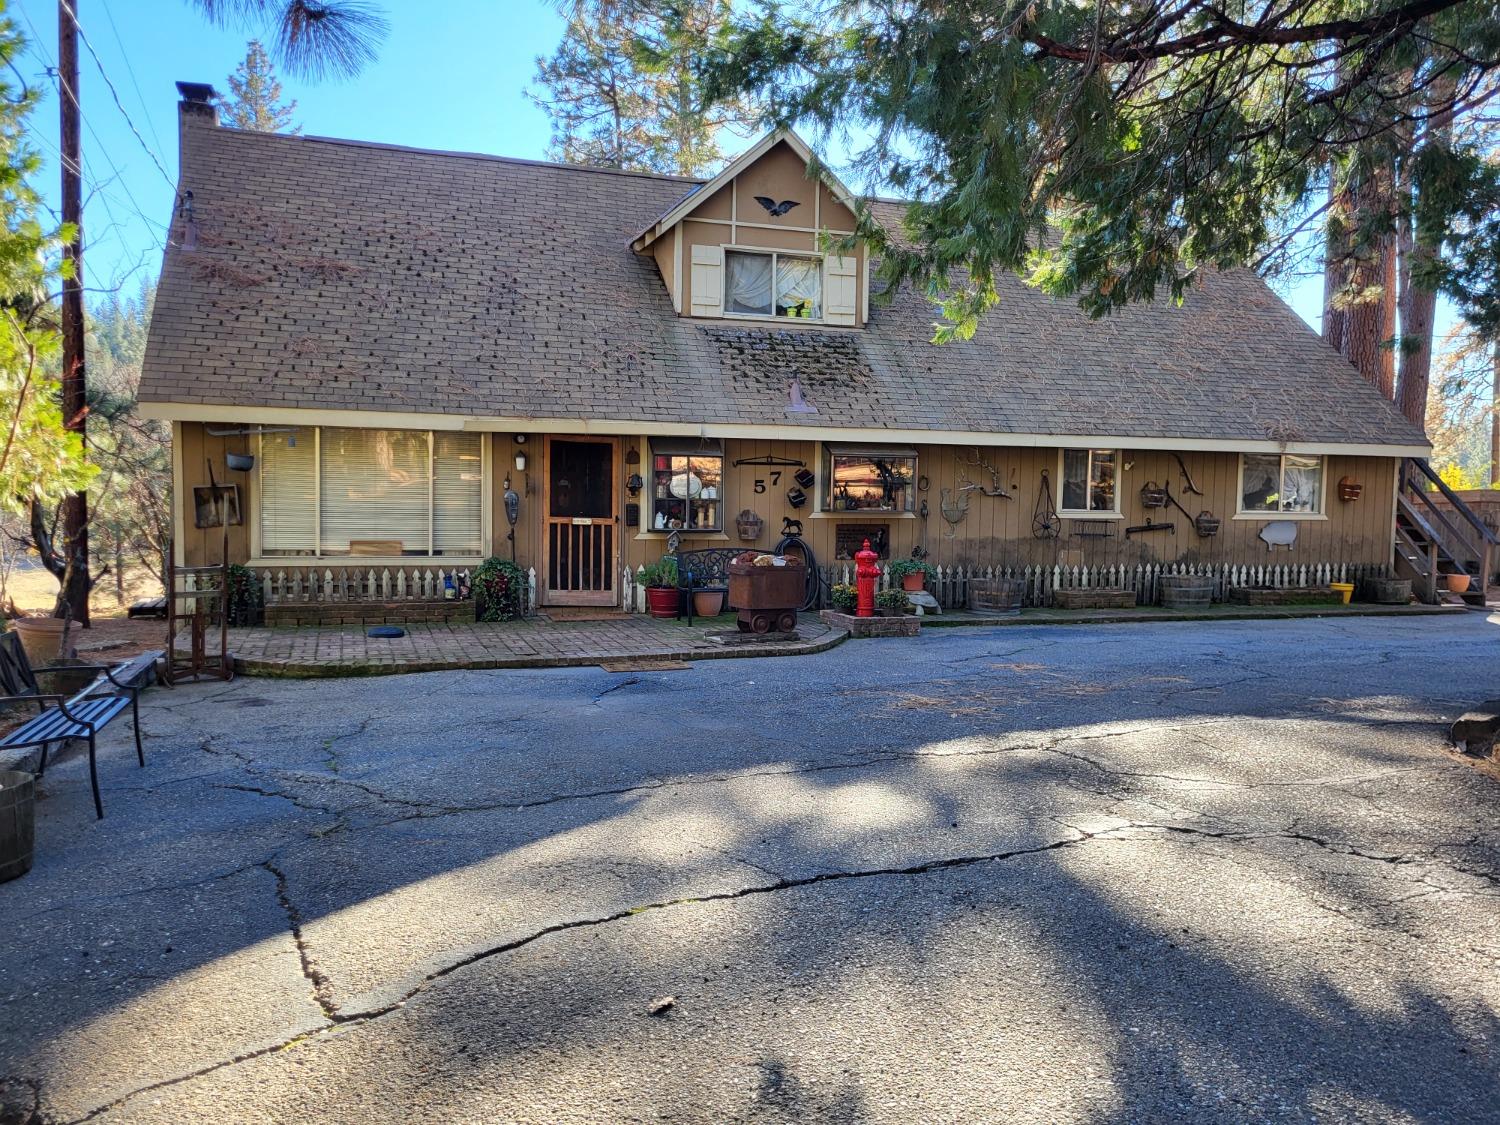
{"x":776,"y":209}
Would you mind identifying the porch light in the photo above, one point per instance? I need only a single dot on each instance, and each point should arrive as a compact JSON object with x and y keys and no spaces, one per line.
{"x":520,"y":461}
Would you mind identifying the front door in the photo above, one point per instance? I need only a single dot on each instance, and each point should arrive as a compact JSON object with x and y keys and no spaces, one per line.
{"x":581,"y":533}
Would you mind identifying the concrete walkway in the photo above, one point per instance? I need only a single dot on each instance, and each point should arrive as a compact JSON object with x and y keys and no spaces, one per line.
{"x":346,"y":650}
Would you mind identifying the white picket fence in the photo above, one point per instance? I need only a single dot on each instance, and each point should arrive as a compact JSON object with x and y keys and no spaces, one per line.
{"x":950,"y":586}
{"x":300,"y":585}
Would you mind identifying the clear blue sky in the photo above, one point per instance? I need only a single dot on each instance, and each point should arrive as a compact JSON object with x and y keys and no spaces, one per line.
{"x":451,"y":75}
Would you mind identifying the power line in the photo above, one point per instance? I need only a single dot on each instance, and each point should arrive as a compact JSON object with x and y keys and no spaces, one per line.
{"x":130,"y":70}
{"x":162,"y":168}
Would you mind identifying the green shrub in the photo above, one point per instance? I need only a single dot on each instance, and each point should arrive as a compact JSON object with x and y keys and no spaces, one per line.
{"x":499,"y":590}
{"x":893,"y":600}
{"x":845,"y":598}
{"x":245,"y":596}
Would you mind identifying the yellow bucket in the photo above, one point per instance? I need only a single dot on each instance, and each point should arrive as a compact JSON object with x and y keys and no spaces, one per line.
{"x":1344,"y":588}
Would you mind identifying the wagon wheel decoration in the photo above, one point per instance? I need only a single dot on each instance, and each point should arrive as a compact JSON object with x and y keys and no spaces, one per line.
{"x":1044,"y":521}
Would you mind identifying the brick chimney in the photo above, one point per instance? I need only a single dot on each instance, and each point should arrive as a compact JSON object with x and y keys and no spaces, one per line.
{"x":196,"y":109}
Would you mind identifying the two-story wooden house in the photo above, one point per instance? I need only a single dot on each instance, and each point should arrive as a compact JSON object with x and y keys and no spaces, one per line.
{"x":397,"y":337}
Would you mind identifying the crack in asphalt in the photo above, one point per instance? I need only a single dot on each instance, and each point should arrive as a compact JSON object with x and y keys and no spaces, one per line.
{"x":338,"y":1020}
{"x":322,"y":984}
{"x":13,"y":1112}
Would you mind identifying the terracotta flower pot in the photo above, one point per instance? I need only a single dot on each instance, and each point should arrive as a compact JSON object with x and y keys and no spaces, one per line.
{"x":662,"y":601}
{"x":1458,"y":583}
{"x":913,"y":583}
{"x":41,"y":637}
{"x":708,"y":603}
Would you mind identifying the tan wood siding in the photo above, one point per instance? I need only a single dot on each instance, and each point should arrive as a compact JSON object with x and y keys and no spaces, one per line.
{"x":994,"y":530}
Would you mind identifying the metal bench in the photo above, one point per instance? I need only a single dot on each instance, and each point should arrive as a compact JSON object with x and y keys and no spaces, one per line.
{"x":61,"y":718}
{"x":707,"y":569}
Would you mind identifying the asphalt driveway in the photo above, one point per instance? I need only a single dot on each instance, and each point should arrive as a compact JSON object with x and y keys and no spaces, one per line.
{"x":1199,"y":872}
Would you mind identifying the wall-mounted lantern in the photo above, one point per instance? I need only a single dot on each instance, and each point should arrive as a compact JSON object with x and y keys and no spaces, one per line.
{"x":634,"y":484}
{"x":520,"y":461}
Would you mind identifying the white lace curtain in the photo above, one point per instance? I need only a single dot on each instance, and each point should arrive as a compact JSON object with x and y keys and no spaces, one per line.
{"x":749,"y":288}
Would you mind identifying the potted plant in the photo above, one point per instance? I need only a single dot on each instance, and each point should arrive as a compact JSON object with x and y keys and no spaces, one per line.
{"x":844,"y":598}
{"x":892,"y":603}
{"x":662,"y":595}
{"x":1458,"y":583}
{"x":911,"y":573}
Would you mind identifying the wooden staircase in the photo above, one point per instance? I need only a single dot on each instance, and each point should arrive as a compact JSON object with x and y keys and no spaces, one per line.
{"x":1434,"y":541}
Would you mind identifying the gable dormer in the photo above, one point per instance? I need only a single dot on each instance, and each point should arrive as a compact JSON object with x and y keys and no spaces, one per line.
{"x":757,"y":243}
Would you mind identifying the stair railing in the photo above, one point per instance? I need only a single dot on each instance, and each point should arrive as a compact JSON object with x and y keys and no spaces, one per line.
{"x":1467,"y":538}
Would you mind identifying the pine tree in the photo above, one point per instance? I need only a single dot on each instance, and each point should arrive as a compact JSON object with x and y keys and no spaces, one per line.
{"x":255,"y":103}
{"x":623,"y":91}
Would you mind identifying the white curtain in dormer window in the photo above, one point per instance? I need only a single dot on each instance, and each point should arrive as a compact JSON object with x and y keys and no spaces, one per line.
{"x":799,"y":287}
{"x":747,"y":283}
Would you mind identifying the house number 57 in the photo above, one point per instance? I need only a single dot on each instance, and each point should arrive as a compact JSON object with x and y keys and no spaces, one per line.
{"x":760,"y":484}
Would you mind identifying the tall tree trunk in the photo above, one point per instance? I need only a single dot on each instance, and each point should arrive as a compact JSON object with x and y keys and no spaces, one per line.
{"x":1418,"y":300}
{"x":1367,"y":331}
{"x":1388,"y":329}
{"x":1335,"y":264}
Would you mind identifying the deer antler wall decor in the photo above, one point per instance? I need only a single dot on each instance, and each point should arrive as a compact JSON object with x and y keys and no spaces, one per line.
{"x":996,"y":488}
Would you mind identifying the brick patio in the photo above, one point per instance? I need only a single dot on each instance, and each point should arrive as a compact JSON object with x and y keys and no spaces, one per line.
{"x":332,"y":650}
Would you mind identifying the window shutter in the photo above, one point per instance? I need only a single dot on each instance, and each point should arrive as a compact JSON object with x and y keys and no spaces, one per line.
{"x":457,"y":494}
{"x":288,"y":500}
{"x":840,"y":290}
{"x":708,"y":281}
{"x":375,"y":486}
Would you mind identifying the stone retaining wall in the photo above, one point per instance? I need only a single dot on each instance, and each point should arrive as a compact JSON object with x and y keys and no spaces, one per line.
{"x":368,"y":613}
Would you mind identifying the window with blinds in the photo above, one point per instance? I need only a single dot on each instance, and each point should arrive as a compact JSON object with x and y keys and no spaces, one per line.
{"x":334,"y":491}
{"x":289,"y":493}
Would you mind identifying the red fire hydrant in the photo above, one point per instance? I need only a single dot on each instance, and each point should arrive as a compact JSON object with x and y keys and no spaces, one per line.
{"x":865,"y":574}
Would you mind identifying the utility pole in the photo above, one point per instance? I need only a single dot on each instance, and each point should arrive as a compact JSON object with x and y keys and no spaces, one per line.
{"x":75,"y":578}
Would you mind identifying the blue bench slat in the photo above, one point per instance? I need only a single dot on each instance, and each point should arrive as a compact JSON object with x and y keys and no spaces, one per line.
{"x":53,"y":726}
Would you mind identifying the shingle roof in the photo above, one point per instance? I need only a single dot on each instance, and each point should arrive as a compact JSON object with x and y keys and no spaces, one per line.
{"x":338,"y":275}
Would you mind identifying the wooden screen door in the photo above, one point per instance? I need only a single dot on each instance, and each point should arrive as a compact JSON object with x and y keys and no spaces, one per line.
{"x":582,"y":536}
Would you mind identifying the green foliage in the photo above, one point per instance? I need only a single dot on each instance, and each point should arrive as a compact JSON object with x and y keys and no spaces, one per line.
{"x":255,"y":96}
{"x":40,"y":461}
{"x":662,"y":574}
{"x":900,"y":568}
{"x":844,"y":598}
{"x":499,"y":587}
{"x":313,"y":39}
{"x":130,"y":503}
{"x":892,"y":600}
{"x":1109,"y":152}
{"x":623,"y":91}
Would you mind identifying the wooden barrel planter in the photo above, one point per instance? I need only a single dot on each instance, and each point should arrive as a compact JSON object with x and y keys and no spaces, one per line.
{"x":996,"y":595}
{"x":1187,"y":591}
{"x":17,"y":823}
{"x":1387,"y":591}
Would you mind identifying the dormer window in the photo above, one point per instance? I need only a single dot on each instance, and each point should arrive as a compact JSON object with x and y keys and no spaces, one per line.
{"x":773,"y":284}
